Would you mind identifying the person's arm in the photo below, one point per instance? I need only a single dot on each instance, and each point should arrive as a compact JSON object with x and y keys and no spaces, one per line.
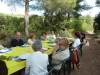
{"x":44,"y":38}
{"x":58,"y":56}
{"x":84,"y":41}
{"x":55,"y":51}
{"x":72,"y":47}
{"x":29,"y":41}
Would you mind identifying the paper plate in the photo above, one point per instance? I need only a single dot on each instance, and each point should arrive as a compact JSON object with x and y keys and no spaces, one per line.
{"x":45,"y":48}
{"x":25,"y":45}
{"x":52,"y":44}
{"x":4,"y":50}
{"x":24,"y":56}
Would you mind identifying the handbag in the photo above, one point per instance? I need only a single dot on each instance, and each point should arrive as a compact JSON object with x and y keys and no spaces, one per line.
{"x":87,"y":43}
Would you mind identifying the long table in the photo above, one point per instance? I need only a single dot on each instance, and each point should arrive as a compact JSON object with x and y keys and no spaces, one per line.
{"x":14,"y":66}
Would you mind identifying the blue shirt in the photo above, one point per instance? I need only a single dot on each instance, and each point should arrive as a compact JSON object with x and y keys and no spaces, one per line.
{"x":16,"y":42}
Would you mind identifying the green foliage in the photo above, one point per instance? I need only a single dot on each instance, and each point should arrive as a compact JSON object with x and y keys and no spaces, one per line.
{"x":98,"y":2}
{"x":85,"y":26}
{"x":75,"y":24}
{"x":37,"y":24}
{"x":97,"y":23}
{"x":65,"y":33}
{"x":84,"y":23}
{"x":9,"y":24}
{"x":77,"y":9}
{"x":55,"y":12}
{"x":2,"y":57}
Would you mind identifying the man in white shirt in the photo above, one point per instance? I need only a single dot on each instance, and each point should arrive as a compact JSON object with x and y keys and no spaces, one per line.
{"x":36,"y":64}
{"x":52,"y":35}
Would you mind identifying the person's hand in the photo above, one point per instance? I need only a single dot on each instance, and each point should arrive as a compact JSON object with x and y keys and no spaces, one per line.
{"x":42,"y":51}
{"x":57,"y":47}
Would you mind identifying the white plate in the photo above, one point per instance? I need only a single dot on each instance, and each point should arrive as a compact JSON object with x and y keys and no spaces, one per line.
{"x":25,"y":45}
{"x":45,"y":48}
{"x":52,"y":44}
{"x":4,"y":50}
{"x":24,"y":56}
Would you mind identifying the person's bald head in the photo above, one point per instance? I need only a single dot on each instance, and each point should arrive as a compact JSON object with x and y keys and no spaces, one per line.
{"x":18,"y":35}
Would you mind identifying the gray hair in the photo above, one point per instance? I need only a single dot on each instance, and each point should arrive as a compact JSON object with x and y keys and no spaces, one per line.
{"x":37,"y":45}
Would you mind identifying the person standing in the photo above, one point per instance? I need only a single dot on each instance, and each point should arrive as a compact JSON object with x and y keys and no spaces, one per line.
{"x":77,"y":41}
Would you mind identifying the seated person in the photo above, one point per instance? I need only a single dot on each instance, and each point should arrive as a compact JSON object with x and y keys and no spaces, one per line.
{"x":57,"y":44}
{"x":44,"y":36}
{"x":31,"y":38}
{"x":3,"y":68}
{"x":76,"y":42}
{"x":52,"y":35}
{"x":17,"y":41}
{"x":62,"y":54}
{"x":36,"y":63}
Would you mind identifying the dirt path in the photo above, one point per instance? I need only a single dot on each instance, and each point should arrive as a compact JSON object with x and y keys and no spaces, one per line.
{"x":90,"y":61}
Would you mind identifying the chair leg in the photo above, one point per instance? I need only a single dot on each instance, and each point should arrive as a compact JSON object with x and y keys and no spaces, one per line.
{"x":73,"y":66}
{"x":64,"y":70}
{"x":56,"y":73}
{"x":81,"y":51}
{"x":69,"y":67}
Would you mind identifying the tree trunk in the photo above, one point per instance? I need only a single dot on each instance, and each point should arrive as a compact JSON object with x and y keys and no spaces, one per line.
{"x":68,"y":19}
{"x":26,"y":16}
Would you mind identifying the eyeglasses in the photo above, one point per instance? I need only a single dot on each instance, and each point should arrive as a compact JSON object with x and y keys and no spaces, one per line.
{"x":61,"y":44}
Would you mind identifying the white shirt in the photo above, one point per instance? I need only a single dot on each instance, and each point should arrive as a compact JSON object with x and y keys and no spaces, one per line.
{"x":61,"y":55}
{"x":30,"y":41}
{"x":52,"y":36}
{"x":76,"y":43}
{"x":36,"y":64}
